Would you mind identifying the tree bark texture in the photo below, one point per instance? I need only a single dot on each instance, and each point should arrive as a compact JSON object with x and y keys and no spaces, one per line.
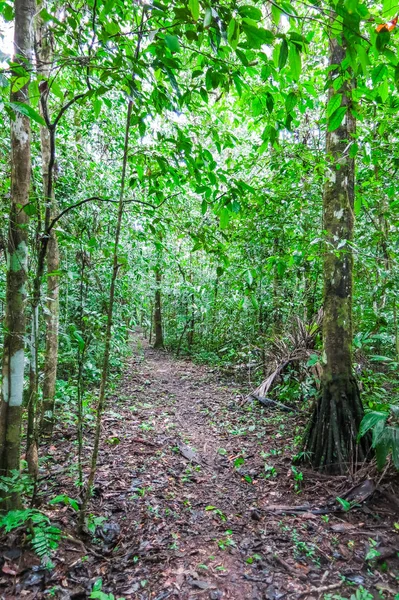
{"x":17,"y":255}
{"x":43,"y":56}
{"x":332,"y":434}
{"x":158,"y":310}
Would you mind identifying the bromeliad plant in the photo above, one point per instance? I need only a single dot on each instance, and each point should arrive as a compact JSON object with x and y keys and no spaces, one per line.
{"x":385,"y":434}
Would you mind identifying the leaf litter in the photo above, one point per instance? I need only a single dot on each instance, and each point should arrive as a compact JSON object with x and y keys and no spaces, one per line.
{"x":185,"y":502}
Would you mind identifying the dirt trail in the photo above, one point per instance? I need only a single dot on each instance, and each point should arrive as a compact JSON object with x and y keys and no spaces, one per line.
{"x":184,"y":476}
{"x":191,"y":507}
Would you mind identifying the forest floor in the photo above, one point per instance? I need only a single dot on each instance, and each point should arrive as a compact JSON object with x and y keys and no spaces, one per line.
{"x":186,"y":480}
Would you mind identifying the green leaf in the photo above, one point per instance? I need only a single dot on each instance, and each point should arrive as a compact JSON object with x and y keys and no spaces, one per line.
{"x":172,"y":43}
{"x":19,"y":82}
{"x":381,"y":453}
{"x":27,"y":111}
{"x":233,"y":33}
{"x":383,"y":90}
{"x":363,"y":58}
{"x":395,"y":446}
{"x":224,"y":217}
{"x":251,"y":12}
{"x":97,"y":104}
{"x":283,"y":54}
{"x":295,"y":61}
{"x":207,"y":18}
{"x":269,"y":102}
{"x":256,"y":36}
{"x":291,"y":101}
{"x":333,"y":104}
{"x":382,"y":40}
{"x":64,"y":499}
{"x":344,"y":503}
{"x":337,"y":118}
{"x":238,"y":462}
{"x":276,"y":14}
{"x":194,"y":7}
{"x":378,"y":74}
{"x":30,"y":209}
{"x":369,"y":421}
{"x":389,"y":9}
{"x":354,"y":149}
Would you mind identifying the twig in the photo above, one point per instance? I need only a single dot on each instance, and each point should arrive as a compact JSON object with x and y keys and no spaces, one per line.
{"x":321,"y":589}
{"x":290,"y":570}
{"x":141,"y":441}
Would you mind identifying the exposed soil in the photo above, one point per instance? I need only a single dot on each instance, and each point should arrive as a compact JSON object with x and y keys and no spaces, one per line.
{"x":186,"y":478}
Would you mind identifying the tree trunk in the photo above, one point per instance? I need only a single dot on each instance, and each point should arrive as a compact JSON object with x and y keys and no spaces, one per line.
{"x":332,"y":433}
{"x":43,"y":57}
{"x":158,"y":310}
{"x":17,"y":255}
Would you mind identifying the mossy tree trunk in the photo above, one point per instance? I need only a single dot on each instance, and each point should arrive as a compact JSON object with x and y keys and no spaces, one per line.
{"x":331,"y":437}
{"x":17,"y":257}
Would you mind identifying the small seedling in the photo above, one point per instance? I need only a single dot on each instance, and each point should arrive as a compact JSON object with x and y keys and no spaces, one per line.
{"x":344,"y":503}
{"x":325,"y":518}
{"x":217,"y":512}
{"x":298,"y":478}
{"x":373,"y":552}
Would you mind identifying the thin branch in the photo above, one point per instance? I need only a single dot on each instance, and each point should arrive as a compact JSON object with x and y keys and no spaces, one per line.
{"x":99,"y":199}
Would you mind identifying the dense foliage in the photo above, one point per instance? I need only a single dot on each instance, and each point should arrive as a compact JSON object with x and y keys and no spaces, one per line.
{"x":199,"y":129}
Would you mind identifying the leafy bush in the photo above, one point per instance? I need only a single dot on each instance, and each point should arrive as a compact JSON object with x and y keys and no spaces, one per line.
{"x":385,"y":428}
{"x":43,"y":536}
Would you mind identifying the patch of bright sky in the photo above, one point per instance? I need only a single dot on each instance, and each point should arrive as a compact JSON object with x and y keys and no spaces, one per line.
{"x":6,"y":42}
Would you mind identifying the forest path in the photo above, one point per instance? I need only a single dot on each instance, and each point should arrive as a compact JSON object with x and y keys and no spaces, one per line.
{"x":184,"y":476}
{"x":182,"y":407}
{"x":187,"y":479}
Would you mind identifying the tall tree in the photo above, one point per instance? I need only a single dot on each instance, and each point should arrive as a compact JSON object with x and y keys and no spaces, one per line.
{"x":43,"y":57}
{"x":333,"y":431}
{"x":17,"y":249}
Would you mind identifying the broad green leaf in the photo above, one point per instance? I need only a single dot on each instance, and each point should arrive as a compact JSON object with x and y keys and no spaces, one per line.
{"x":383,"y":90}
{"x":362,"y":57}
{"x":294,"y":58}
{"x":283,"y":54}
{"x":172,"y":43}
{"x":369,"y":421}
{"x":276,"y":14}
{"x":233,"y":33}
{"x":28,"y":111}
{"x":291,"y":101}
{"x":336,"y":118}
{"x":382,"y":40}
{"x":389,"y":9}
{"x":194,"y":7}
{"x":381,"y":452}
{"x":224,"y":217}
{"x":333,"y":104}
{"x":251,"y":12}
{"x":269,"y":102}
{"x":354,"y":149}
{"x":207,"y":18}
{"x":378,"y":73}
{"x":97,"y":104}
{"x":30,"y":209}
{"x":19,"y":82}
